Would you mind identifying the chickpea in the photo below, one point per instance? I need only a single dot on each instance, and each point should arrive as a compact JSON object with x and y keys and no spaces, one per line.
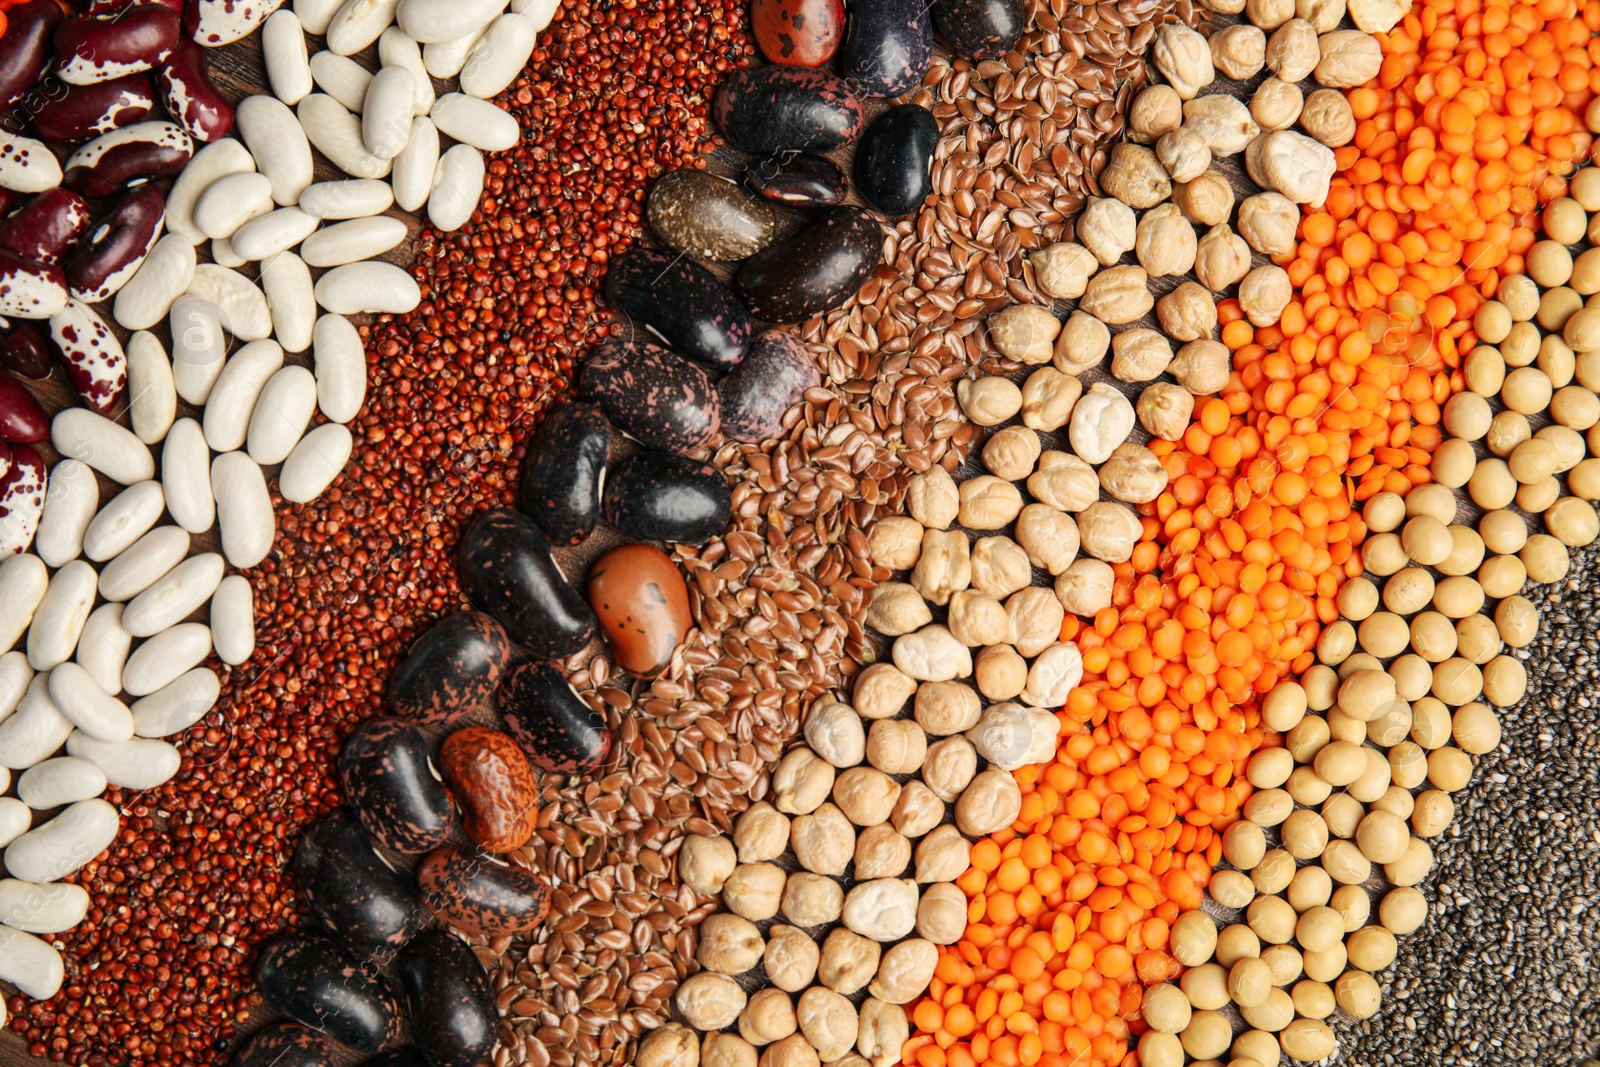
{"x":942,"y":914}
{"x":828,"y":1021}
{"x":988,"y":401}
{"x":881,"y":852}
{"x":834,"y":732}
{"x":942,"y":856}
{"x":866,"y":796}
{"x":991,"y":802}
{"x":848,"y":961}
{"x":1048,"y":398}
{"x":823,"y":840}
{"x":884,"y":1029}
{"x":949,"y":767}
{"x":704,"y":863}
{"x":1189,"y":312}
{"x":811,"y":899}
{"x":709,"y":1001}
{"x":1156,"y":110}
{"x":792,"y":1051}
{"x":1035,"y":615}
{"x":673,"y":1045}
{"x":917,"y":812}
{"x":944,"y":708}
{"x":1010,"y":453}
{"x":884,"y":909}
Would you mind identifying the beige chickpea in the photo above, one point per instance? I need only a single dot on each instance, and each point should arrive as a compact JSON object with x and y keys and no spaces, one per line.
{"x":768,"y":1017}
{"x":1268,"y":223}
{"x":792,"y":1051}
{"x":884,"y":909}
{"x":811,"y":899}
{"x":942,"y":913}
{"x":673,"y":1045}
{"x":1292,"y":50}
{"x":1010,"y":453}
{"x":942,"y":855}
{"x":881,"y":852}
{"x":704,"y":863}
{"x":1545,"y":558}
{"x":896,"y":746}
{"x":866,"y":796}
{"x":1188,"y":313}
{"x":1328,"y":118}
{"x":896,"y":542}
{"x":1185,"y":155}
{"x":1035,"y":615}
{"x":917,"y":811}
{"x":944,"y":708}
{"x":1239,"y":51}
{"x":1157,"y":109}
{"x":1202,"y":366}
{"x":999,"y":567}
{"x":988,"y":401}
{"x":988,"y":502}
{"x":834,"y":732}
{"x":905,"y":971}
{"x":709,"y":1001}
{"x":949,"y":767}
{"x":1064,"y":482}
{"x":1085,"y":587}
{"x":1107,"y":228}
{"x":1133,"y":474}
{"x":990,"y":802}
{"x":1207,"y":199}
{"x":882,"y":1034}
{"x":1101,"y":420}
{"x":828,"y":1021}
{"x":932,"y":654}
{"x":762,"y":832}
{"x":944,"y":567}
{"x":976,"y":619}
{"x":823,"y":841}
{"x":1222,"y":259}
{"x":1050,"y":537}
{"x":848,"y":961}
{"x":1082,"y":344}
{"x":1048,"y":397}
{"x":1140,"y":355}
{"x":1264,"y":293}
{"x":801,"y":781}
{"x":1276,"y":104}
{"x":1024,"y":332}
{"x":897,"y":609}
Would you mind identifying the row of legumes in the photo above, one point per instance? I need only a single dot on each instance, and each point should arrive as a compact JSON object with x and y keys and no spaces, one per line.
{"x":96,"y":84}
{"x":1195,"y":620}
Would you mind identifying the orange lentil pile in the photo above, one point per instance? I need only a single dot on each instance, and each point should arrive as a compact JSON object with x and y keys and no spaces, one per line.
{"x":1473,"y":122}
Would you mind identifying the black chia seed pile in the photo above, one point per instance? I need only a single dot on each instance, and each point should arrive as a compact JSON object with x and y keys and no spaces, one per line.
{"x":1506,"y":972}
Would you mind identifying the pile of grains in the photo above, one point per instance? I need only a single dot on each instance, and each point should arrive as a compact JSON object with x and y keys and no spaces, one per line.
{"x":161,"y":973}
{"x":1504,"y":973}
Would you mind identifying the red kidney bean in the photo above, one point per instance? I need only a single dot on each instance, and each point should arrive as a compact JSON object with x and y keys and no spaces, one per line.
{"x":90,"y":50}
{"x":27,"y":47}
{"x":128,"y":156}
{"x":8,"y":200}
{"x":101,"y":265}
{"x":6,"y":459}
{"x":85,"y":111}
{"x":22,"y":420}
{"x":24,"y":351}
{"x":21,"y":500}
{"x":108,"y":8}
{"x":47,"y":227}
{"x":30,"y":289}
{"x":190,"y":97}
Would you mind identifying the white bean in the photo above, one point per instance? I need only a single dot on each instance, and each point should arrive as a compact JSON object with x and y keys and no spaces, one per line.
{"x":337,"y":135}
{"x":199,"y":347}
{"x":153,"y":555}
{"x":287,"y":283}
{"x":223,"y":255}
{"x":316,"y":14}
{"x":395,"y":49}
{"x":430,"y":21}
{"x":166,"y":656}
{"x":341,"y":368}
{"x":233,"y":612}
{"x":475,"y":122}
{"x":274,"y":232}
{"x":35,"y":731}
{"x":316,"y":461}
{"x":357,"y":24}
{"x":69,"y":505}
{"x":278,"y":144}
{"x":460,"y":185}
{"x":498,"y":56}
{"x":227,"y":416}
{"x":341,"y":78}
{"x":54,"y":850}
{"x":162,"y":278}
{"x":103,"y":646}
{"x":51,"y":908}
{"x":244,"y":510}
{"x":23,"y":581}
{"x":123,"y":520}
{"x":214,"y":161}
{"x":243,"y":309}
{"x":31,"y":964}
{"x":58,"y":782}
{"x":141,"y":763}
{"x":15,"y":817}
{"x":91,"y":709}
{"x":174,"y":596}
{"x":153,"y":402}
{"x":387,"y":112}
{"x":352,"y":198}
{"x":230,"y":202}
{"x":281,"y":415}
{"x":444,"y":59}
{"x":353,"y":241}
{"x":416,"y":169}
{"x":186,"y":478}
{"x":15,"y":677}
{"x":80,"y":434}
{"x":381,"y":288}
{"x":177,"y":705}
{"x":540,"y":11}
{"x":283,"y":48}
{"x":60,"y":618}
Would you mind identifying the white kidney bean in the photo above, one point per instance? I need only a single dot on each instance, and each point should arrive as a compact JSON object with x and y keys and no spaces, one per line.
{"x":98,"y":365}
{"x":274,"y":232}
{"x":287,"y":283}
{"x":460,"y":186}
{"x":387,"y":112}
{"x":15,"y":817}
{"x":92,"y":710}
{"x":216,"y":160}
{"x":21,"y":503}
{"x":199,"y":347}
{"x":316,"y":14}
{"x":123,"y":520}
{"x":233,"y":614}
{"x":540,"y":11}
{"x":230,"y":202}
{"x":222,"y":22}
{"x":35,"y":730}
{"x":162,"y":278}
{"x":380,"y":288}
{"x":153,"y":555}
{"x":31,"y":964}
{"x":498,"y":56}
{"x":283,"y":49}
{"x":162,"y":658}
{"x":432,"y":21}
{"x":174,"y":596}
{"x":341,"y":78}
{"x":278,"y":144}
{"x":475,"y":122}
{"x":316,"y":461}
{"x":153,"y":397}
{"x":353,"y":241}
{"x":186,"y":477}
{"x":177,"y":705}
{"x":233,"y":398}
{"x":358,"y":23}
{"x":15,"y":677}
{"x":416,"y":168}
{"x":26,"y":165}
{"x":337,"y":135}
{"x":140,"y":763}
{"x":352,"y":198}
{"x":444,"y":59}
{"x":243,"y":309}
{"x":51,"y":908}
{"x":23,"y":582}
{"x":396,"y":49}
{"x":223,"y":255}
{"x":69,"y":505}
{"x":79,"y":433}
{"x":281,"y":415}
{"x":341,"y":367}
{"x":103,"y":646}
{"x":60,"y":618}
{"x":58,"y":782}
{"x":54,"y":850}
{"x":244,"y":510}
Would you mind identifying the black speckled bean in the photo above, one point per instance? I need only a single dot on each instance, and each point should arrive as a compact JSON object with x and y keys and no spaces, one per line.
{"x":508,"y":573}
{"x":892,"y":163}
{"x":400,"y":1057}
{"x":798,"y":179}
{"x":653,"y":496}
{"x":980,"y":29}
{"x":563,"y":471}
{"x":774,"y":376}
{"x":771,"y":108}
{"x":285,"y":1045}
{"x":453,"y":1014}
{"x":483,"y":895}
{"x":709,"y":217}
{"x":814,"y":271}
{"x":888,"y":48}
{"x":654,"y":396}
{"x":327,"y":987}
{"x":682,"y":303}
{"x":352,"y":892}
{"x":389,"y":783}
{"x":557,"y":730}
{"x":450,"y":670}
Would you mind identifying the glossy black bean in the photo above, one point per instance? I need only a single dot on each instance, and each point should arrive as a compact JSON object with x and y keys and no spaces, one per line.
{"x":682,"y":303}
{"x":453,"y":1014}
{"x":482,"y":894}
{"x":328,"y":987}
{"x":799,"y":179}
{"x":653,"y":496}
{"x":814,"y":271}
{"x":888,"y":48}
{"x":980,"y":29}
{"x":285,"y":1045}
{"x":354,"y":894}
{"x":562,"y":473}
{"x":508,"y":573}
{"x":400,"y":1057}
{"x":391,"y":786}
{"x":450,"y":670}
{"x":654,"y":396}
{"x":774,"y":376}
{"x":772,"y":108}
{"x":557,"y":730}
{"x":893,"y":160}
